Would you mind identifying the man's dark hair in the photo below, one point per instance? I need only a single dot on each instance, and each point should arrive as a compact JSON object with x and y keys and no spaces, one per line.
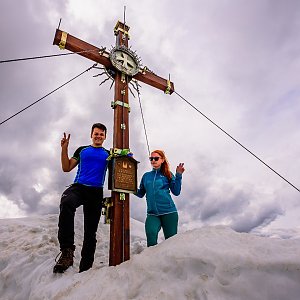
{"x":99,"y":126}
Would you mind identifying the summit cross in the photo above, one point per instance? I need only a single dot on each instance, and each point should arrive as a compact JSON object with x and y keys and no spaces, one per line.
{"x":125,"y":66}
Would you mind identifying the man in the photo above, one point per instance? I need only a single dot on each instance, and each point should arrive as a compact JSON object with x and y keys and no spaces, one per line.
{"x":87,"y":190}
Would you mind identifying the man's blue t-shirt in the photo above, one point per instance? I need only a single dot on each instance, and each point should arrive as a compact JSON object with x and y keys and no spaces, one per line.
{"x":92,"y":165}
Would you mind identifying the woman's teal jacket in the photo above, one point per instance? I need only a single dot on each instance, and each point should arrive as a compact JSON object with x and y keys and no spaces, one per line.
{"x":157,"y":188}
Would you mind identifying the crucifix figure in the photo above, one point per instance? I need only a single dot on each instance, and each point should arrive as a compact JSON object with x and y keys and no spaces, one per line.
{"x":125,"y":66}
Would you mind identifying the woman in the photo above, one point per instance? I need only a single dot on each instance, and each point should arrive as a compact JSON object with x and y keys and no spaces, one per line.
{"x":161,"y":210}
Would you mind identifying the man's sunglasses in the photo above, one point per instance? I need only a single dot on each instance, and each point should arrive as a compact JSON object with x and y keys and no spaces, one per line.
{"x":154,"y":158}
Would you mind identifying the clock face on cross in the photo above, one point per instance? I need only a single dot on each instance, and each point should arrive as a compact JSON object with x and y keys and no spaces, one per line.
{"x":124,"y":60}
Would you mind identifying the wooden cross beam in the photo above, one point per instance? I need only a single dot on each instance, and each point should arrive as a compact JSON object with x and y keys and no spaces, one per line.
{"x":120,"y":226}
{"x":102,"y":57}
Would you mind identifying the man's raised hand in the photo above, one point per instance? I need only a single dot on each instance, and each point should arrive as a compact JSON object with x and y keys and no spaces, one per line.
{"x":65,"y":140}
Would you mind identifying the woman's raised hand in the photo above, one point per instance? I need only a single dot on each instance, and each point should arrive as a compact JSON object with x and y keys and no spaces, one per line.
{"x":180,"y":168}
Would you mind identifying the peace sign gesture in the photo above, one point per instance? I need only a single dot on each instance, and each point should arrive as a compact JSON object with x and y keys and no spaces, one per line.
{"x":65,"y":140}
{"x":180,"y":169}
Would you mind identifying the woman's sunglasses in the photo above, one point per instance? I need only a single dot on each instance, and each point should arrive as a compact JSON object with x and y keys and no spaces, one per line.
{"x":154,"y":158}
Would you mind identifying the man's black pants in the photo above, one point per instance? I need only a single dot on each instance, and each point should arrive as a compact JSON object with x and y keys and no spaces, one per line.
{"x":91,"y":199}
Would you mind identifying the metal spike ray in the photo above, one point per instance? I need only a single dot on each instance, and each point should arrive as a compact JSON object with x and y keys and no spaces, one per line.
{"x":104,"y":81}
{"x":99,"y":68}
{"x":131,"y":91}
{"x":111,"y":84}
{"x":99,"y":74}
{"x":136,"y":86}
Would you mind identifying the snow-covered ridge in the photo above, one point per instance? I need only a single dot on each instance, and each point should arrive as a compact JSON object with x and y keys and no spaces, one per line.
{"x":208,"y":263}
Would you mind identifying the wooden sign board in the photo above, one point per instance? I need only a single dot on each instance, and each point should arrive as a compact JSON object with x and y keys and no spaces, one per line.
{"x":123,"y":174}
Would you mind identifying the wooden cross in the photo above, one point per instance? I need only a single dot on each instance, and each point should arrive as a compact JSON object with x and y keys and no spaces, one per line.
{"x":120,"y":227}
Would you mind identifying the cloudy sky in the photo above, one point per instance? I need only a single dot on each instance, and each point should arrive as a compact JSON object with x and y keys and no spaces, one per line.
{"x":237,"y":61}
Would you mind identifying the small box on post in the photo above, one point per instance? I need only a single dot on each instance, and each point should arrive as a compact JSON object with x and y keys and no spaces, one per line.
{"x":123,"y":174}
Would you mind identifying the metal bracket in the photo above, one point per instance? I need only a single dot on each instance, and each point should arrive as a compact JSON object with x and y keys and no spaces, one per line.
{"x":124,"y":32}
{"x":63,"y":40}
{"x":123,"y":77}
{"x":123,"y":126}
{"x":106,"y":209}
{"x":122,"y":196}
{"x":103,"y":52}
{"x":144,"y":70}
{"x":118,"y":102}
{"x":168,"y":89}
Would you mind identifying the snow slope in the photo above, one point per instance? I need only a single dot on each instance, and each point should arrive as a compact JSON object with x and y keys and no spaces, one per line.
{"x":207,"y":263}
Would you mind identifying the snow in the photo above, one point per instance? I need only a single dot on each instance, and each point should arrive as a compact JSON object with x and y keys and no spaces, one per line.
{"x":206,"y":263}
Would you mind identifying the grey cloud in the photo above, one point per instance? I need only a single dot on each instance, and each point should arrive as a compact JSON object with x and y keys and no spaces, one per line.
{"x":216,"y":205}
{"x":254,"y":219}
{"x":233,"y":61}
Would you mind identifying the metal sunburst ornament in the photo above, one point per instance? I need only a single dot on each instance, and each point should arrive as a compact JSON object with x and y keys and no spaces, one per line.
{"x":125,"y":60}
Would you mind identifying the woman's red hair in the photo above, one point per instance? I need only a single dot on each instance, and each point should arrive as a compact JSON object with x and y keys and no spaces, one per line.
{"x":165,"y":168}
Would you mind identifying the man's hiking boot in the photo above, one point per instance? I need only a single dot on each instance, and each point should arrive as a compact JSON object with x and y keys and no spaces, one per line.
{"x":65,"y":261}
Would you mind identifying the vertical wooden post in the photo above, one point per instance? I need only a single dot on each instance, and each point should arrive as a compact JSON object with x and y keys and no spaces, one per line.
{"x":119,"y":228}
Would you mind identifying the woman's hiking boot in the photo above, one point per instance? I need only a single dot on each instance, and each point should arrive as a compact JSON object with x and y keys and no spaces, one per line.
{"x":65,"y":261}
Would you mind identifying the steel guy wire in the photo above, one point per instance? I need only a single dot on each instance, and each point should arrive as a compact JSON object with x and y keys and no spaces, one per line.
{"x":46,"y":95}
{"x":141,"y":109}
{"x":235,"y":140}
{"x":46,"y":56}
